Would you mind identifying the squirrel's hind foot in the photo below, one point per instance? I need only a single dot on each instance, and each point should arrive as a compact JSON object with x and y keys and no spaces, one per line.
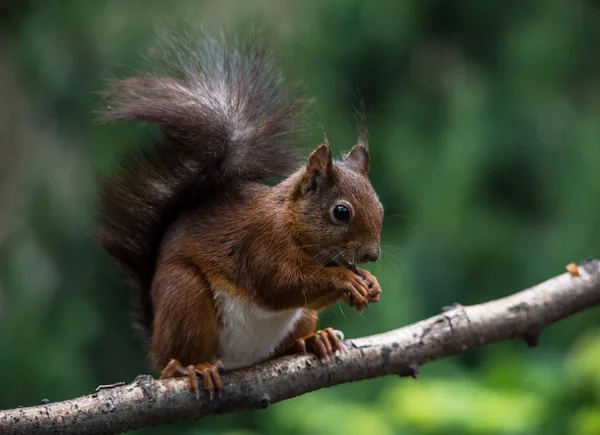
{"x":323,"y":343}
{"x":208,"y":372}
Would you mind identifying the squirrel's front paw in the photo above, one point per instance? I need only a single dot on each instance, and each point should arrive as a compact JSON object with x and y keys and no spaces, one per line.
{"x":355,"y":291}
{"x":373,"y":285}
{"x":361,"y":289}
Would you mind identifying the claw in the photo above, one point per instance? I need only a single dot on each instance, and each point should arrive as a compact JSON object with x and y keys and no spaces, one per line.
{"x":325,"y":338}
{"x":339,"y":334}
{"x":218,"y":364}
{"x":206,"y":373}
{"x":334,"y":340}
{"x":209,"y":372}
{"x":323,"y":343}
{"x":301,"y":345}
{"x":319,"y":347}
{"x":218,"y":382}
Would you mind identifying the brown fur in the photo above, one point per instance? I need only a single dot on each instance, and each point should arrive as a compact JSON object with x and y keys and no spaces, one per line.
{"x":249,"y":241}
{"x":194,"y":218}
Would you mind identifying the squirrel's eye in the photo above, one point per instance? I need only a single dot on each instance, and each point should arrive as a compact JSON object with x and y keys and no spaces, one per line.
{"x":341,"y":213}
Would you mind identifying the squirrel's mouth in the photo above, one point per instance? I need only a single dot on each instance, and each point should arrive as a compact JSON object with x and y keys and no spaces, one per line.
{"x":345,"y":263}
{"x":340,"y":260}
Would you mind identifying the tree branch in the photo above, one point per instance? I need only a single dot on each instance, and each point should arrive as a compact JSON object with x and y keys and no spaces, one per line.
{"x":146,"y":401}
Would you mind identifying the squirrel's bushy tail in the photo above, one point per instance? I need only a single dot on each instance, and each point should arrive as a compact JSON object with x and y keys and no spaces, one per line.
{"x":225,"y":115}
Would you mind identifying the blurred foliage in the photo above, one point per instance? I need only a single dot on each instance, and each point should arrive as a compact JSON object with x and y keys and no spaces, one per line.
{"x":484,"y":124}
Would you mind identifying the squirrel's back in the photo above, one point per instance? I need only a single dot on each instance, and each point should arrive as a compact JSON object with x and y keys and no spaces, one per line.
{"x":225,"y":117}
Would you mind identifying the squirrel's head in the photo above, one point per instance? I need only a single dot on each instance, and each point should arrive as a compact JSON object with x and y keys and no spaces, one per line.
{"x":338,"y":214}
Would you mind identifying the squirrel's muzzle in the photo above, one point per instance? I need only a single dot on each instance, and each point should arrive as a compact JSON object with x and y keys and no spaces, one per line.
{"x":369,"y":254}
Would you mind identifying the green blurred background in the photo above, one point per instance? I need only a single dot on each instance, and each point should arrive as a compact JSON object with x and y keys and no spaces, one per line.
{"x":485,"y":127}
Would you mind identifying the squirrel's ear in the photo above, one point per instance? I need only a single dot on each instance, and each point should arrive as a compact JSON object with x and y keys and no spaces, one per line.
{"x":359,"y":158}
{"x":319,"y":162}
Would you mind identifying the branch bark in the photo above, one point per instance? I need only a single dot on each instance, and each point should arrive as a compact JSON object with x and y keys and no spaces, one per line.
{"x":146,"y":401}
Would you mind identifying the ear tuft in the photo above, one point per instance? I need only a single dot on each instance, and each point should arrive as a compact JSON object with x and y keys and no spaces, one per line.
{"x":319,"y":162}
{"x":359,"y":158}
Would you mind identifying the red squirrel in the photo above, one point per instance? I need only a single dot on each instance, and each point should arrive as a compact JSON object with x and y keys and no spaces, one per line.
{"x":228,"y":270}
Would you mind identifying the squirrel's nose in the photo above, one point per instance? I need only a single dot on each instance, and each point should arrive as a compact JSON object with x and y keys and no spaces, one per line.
{"x":370,"y":255}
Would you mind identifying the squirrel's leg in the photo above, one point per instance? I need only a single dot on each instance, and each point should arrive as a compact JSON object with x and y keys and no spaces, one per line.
{"x":185,"y":330}
{"x":304,"y":338}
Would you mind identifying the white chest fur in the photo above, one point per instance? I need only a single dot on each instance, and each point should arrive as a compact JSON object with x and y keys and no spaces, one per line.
{"x":248,"y":333}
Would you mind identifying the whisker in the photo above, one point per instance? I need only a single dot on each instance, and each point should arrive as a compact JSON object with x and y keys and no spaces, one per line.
{"x":394,"y":216}
{"x":313,"y":245}
{"x":393,"y":206}
{"x":392,"y":259}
